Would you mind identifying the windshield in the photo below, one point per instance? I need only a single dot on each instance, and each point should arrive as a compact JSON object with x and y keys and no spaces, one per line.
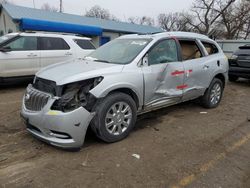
{"x":5,"y":38}
{"x":119,"y":51}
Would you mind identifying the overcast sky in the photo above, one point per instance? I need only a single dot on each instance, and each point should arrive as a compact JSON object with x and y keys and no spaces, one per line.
{"x":120,"y":8}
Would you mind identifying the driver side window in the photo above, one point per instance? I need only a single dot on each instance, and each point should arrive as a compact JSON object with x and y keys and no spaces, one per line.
{"x":23,"y":44}
{"x":164,"y":52}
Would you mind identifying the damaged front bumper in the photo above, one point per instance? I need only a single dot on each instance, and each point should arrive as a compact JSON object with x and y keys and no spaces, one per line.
{"x":61,"y":129}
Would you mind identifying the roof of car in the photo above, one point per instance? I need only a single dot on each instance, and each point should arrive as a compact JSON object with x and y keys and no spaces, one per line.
{"x":41,"y":34}
{"x":168,"y":34}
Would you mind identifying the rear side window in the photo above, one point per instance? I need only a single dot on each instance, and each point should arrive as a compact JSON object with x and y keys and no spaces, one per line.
{"x":24,"y":43}
{"x":190,"y":50}
{"x":51,"y":43}
{"x":210,"y":48}
{"x":84,"y":44}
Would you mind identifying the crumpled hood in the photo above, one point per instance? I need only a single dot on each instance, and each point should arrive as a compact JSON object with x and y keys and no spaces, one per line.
{"x":77,"y":70}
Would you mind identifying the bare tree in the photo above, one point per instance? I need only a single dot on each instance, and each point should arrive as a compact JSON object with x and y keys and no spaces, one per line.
{"x":144,"y":20}
{"x":205,"y":14}
{"x":236,"y":20}
{"x":174,"y":21}
{"x":46,"y":6}
{"x":99,"y":12}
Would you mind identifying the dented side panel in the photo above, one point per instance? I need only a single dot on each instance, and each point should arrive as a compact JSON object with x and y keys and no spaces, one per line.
{"x":163,"y":83}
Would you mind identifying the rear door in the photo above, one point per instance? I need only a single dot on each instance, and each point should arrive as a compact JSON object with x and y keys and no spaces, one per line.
{"x":84,"y":47}
{"x":23,"y":58}
{"x":163,"y":76}
{"x":54,"y":50}
{"x":197,"y":69}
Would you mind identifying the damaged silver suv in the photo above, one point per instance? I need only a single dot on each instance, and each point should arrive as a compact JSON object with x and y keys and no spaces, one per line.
{"x":128,"y":76}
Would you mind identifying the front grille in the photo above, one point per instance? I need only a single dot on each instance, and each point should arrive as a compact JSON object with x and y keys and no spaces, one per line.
{"x":44,"y":85}
{"x":35,"y":100}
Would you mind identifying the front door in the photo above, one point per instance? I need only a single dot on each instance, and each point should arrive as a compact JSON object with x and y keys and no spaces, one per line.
{"x":163,"y":76}
{"x":23,"y":58}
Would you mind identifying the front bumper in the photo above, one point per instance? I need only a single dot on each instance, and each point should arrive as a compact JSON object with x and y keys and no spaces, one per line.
{"x":239,"y":71}
{"x":65,"y":130}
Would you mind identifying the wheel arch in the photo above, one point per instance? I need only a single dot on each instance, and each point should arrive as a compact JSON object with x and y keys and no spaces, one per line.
{"x":221,"y":77}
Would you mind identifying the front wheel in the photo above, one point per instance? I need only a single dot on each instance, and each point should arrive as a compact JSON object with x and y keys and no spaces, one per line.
{"x":115,"y":117}
{"x":213,"y":95}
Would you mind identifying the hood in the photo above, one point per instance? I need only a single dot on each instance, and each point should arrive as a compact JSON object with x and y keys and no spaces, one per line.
{"x":77,"y":70}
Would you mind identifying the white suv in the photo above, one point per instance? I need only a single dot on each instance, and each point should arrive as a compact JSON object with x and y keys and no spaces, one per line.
{"x":23,"y":54}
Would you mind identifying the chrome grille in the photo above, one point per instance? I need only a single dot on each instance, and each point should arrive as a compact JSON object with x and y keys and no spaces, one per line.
{"x":35,"y":100}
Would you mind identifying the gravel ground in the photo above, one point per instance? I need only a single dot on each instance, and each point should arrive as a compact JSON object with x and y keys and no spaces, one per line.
{"x":176,"y":147}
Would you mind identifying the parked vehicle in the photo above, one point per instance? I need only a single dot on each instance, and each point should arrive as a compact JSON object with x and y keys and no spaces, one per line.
{"x":23,"y":54}
{"x":239,"y":64}
{"x":128,"y":76}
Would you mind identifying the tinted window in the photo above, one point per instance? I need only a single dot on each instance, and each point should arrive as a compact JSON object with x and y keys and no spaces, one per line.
{"x":163,"y":52}
{"x":51,"y":43}
{"x":210,"y":48}
{"x":22,"y":44}
{"x":189,"y":50}
{"x":84,"y":44}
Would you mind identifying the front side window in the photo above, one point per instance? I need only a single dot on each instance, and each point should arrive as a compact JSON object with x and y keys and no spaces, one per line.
{"x":51,"y":43}
{"x":119,"y":51}
{"x":210,"y":48}
{"x":23,"y":43}
{"x":163,"y":52}
{"x":84,"y":44}
{"x":190,"y":50}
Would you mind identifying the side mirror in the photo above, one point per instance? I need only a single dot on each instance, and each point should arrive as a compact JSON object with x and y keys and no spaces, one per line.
{"x":5,"y":49}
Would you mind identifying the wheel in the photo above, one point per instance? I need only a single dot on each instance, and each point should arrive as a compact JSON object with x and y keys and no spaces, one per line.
{"x":233,"y":78}
{"x":213,"y":95}
{"x":115,"y":117}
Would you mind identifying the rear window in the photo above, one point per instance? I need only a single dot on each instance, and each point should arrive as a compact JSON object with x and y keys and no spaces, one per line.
{"x":210,"y":48}
{"x":84,"y":44}
{"x":51,"y":43}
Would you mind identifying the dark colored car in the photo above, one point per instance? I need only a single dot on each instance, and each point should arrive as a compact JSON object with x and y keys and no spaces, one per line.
{"x":239,"y":64}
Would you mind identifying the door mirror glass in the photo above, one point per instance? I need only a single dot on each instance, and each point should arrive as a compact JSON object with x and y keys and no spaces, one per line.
{"x":5,"y":49}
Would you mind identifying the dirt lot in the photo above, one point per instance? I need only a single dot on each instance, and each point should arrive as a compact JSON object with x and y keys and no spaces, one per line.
{"x":178,"y":147}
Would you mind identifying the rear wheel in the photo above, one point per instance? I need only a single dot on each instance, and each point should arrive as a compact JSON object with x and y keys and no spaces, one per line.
{"x":115,"y":117}
{"x":213,"y":95}
{"x":233,"y":78}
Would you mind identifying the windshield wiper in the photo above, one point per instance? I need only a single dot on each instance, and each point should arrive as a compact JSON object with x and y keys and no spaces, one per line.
{"x":100,"y":60}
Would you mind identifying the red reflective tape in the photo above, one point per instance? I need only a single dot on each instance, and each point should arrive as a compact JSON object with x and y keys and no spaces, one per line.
{"x":182,"y":86}
{"x":190,"y":70}
{"x":177,"y":73}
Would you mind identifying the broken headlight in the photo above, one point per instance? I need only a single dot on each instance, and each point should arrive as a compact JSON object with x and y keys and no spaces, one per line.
{"x":75,"y":95}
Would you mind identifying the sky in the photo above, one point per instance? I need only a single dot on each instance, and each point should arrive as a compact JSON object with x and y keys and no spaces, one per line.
{"x":122,"y":9}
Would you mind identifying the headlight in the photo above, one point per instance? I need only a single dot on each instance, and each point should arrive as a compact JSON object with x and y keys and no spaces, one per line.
{"x":234,"y":56}
{"x":75,"y":95}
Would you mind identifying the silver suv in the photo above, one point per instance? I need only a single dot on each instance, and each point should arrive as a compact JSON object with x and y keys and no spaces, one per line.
{"x":128,"y":76}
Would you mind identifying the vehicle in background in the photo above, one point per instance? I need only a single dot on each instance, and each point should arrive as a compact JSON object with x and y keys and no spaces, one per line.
{"x":230,"y":46}
{"x":130,"y":75}
{"x":239,"y":64}
{"x":23,"y":54}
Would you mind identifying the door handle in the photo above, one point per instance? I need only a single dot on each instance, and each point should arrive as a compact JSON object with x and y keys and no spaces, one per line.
{"x":205,"y":67}
{"x":68,"y":53}
{"x":32,"y":55}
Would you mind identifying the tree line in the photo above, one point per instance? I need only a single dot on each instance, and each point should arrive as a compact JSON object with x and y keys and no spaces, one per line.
{"x":228,"y":19}
{"x":221,"y":19}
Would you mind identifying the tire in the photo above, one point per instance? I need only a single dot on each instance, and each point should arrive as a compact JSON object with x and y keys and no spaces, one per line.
{"x":108,"y":111}
{"x":233,"y":78}
{"x":211,"y":99}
